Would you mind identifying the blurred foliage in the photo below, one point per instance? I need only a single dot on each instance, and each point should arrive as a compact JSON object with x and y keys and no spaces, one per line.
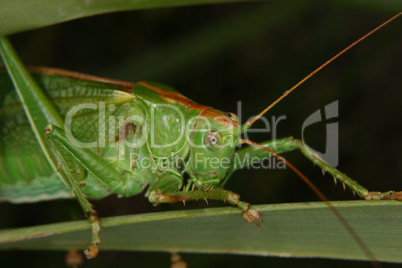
{"x":249,"y":52}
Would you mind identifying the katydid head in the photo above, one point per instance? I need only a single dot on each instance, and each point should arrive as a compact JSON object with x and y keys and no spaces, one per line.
{"x":212,"y":147}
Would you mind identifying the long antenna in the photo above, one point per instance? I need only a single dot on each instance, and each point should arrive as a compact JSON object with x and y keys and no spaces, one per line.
{"x":248,"y":124}
{"x":344,"y":222}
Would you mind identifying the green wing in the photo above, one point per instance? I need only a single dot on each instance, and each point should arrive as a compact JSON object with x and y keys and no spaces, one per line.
{"x":25,"y":174}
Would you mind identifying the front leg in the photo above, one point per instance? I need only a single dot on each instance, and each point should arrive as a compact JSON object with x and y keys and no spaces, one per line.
{"x":290,"y":144}
{"x":250,"y":215}
{"x":167,"y":190}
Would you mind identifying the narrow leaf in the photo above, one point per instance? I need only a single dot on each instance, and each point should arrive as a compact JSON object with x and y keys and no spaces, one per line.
{"x":289,"y":230}
{"x":17,"y":16}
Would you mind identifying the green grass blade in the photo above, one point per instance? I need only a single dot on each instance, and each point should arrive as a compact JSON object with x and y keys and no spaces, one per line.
{"x":39,"y":110}
{"x":17,"y":16}
{"x":289,"y":230}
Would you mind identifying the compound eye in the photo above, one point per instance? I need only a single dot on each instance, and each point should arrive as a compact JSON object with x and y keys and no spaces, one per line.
{"x":212,"y":140}
{"x":233,"y":117}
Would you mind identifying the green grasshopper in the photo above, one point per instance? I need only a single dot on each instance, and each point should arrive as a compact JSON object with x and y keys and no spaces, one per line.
{"x":66,"y":135}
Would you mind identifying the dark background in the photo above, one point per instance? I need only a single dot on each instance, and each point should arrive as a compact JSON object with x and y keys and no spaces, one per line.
{"x":218,"y":55}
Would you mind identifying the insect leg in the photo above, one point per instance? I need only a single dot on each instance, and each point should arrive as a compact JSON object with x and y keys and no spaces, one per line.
{"x":249,"y":214}
{"x":124,"y":185}
{"x":97,"y":166}
{"x":169,"y":182}
{"x":82,"y":198}
{"x":337,"y":175}
{"x":290,"y":144}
